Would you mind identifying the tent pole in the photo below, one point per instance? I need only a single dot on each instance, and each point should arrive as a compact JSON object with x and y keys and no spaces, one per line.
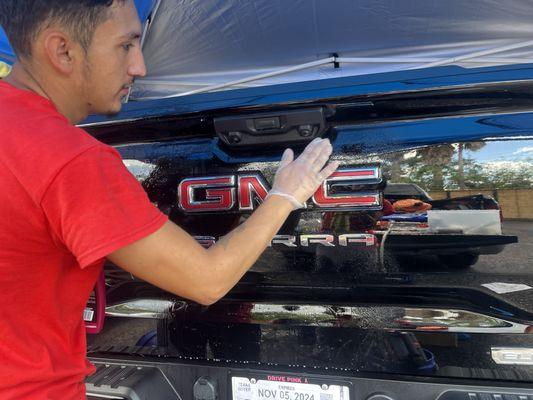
{"x":256,"y":77}
{"x":477,"y":54}
{"x":406,"y":60}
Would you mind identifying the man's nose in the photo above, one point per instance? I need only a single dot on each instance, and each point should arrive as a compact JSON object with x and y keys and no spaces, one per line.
{"x":137,"y":66}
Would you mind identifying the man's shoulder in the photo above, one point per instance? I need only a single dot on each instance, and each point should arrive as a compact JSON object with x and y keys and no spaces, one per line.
{"x":36,"y":142}
{"x":31,"y":121}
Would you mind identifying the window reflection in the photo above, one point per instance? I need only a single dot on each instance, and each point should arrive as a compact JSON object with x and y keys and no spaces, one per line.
{"x":461,"y":201}
{"x":464,"y":166}
{"x":446,"y":208}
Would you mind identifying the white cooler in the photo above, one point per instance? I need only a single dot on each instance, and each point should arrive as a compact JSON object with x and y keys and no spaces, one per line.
{"x":467,"y":222}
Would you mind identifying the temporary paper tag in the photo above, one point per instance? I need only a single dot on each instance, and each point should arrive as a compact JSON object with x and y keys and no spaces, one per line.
{"x":501,"y":287}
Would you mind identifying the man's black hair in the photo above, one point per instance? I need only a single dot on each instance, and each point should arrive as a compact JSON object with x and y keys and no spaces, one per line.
{"x":22,"y":20}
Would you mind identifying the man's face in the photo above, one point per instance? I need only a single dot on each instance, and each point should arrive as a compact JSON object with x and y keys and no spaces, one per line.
{"x":113,"y":60}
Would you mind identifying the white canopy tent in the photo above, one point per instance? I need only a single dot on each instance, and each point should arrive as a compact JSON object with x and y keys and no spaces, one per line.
{"x":204,"y":45}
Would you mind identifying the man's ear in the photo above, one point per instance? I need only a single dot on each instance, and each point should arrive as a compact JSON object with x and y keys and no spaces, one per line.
{"x":60,"y":50}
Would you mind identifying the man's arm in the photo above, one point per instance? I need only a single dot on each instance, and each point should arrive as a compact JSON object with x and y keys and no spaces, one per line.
{"x":172,"y":260}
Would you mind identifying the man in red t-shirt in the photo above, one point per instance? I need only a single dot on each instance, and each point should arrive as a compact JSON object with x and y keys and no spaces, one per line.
{"x":67,"y":201}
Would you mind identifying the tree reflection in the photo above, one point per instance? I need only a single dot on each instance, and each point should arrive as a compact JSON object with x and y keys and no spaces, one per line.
{"x":452,"y":167}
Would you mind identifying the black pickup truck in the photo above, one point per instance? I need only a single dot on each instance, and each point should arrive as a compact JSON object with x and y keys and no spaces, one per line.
{"x":321,"y":315}
{"x":347,"y":303}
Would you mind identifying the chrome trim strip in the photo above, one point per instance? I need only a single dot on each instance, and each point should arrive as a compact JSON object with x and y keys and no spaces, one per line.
{"x":373,"y":317}
{"x":104,"y":396}
{"x":512,"y":355}
{"x":144,"y":308}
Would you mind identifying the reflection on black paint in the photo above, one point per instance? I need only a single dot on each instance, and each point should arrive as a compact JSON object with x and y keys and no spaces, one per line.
{"x":409,"y":264}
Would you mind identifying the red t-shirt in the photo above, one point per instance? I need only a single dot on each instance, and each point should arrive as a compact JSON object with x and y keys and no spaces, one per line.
{"x":66,"y":201}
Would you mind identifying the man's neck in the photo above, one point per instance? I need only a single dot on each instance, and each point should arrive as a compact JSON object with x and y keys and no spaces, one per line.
{"x":21,"y":77}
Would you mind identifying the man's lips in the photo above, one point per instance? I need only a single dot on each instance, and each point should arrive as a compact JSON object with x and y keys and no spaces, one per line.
{"x":125,"y":90}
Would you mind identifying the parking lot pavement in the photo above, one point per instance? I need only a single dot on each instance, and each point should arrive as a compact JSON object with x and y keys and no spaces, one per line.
{"x":516,"y":258}
{"x":513,"y":265}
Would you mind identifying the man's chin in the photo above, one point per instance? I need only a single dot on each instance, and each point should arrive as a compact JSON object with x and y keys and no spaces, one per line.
{"x":109,"y":111}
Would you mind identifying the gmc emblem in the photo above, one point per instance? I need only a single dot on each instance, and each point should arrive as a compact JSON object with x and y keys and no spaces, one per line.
{"x":346,"y":189}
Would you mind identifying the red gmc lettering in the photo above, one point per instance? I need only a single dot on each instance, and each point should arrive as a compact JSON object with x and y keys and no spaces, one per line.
{"x":323,"y":198}
{"x":219,"y":194}
{"x":250,"y":185}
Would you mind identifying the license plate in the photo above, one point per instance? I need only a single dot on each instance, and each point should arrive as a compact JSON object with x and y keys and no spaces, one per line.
{"x":286,"y":388}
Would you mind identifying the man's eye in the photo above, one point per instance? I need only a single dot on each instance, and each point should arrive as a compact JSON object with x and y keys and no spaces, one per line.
{"x":127,"y":46}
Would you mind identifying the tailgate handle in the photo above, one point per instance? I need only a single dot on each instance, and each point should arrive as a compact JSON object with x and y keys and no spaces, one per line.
{"x":268,"y":123}
{"x":281,"y":128}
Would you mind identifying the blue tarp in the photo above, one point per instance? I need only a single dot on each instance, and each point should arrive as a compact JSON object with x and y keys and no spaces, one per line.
{"x":7,"y":55}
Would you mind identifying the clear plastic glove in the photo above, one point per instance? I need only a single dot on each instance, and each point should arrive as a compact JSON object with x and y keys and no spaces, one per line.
{"x":297,"y":180}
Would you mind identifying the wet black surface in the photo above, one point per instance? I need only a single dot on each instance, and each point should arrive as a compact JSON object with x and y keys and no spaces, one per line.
{"x":512,"y":265}
{"x":314,"y":263}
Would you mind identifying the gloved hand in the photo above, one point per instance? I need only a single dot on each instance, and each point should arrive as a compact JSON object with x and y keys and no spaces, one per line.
{"x":297,"y":180}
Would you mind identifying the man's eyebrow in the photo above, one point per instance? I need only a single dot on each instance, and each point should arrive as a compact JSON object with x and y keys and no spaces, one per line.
{"x":131,"y":35}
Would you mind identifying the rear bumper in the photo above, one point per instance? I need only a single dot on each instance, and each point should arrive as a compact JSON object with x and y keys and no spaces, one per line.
{"x":157,"y":378}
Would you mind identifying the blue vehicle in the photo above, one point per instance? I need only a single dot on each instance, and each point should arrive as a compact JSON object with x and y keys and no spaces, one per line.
{"x":344,"y":304}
